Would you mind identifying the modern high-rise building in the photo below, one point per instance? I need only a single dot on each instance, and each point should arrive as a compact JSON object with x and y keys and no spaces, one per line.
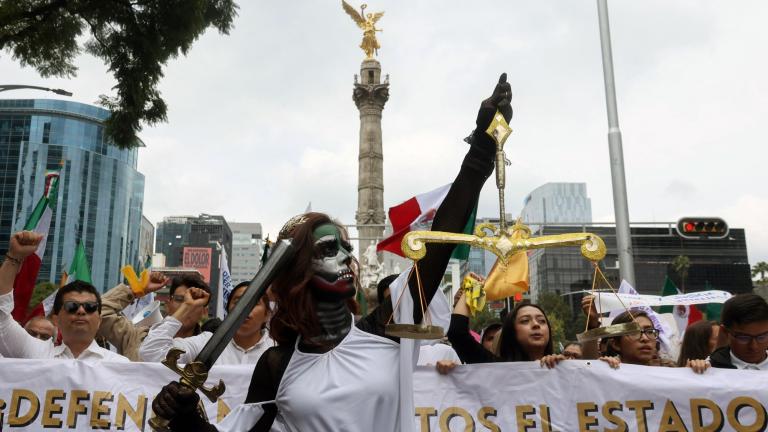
{"x":556,"y":203}
{"x":194,"y":242}
{"x":247,"y":245}
{"x":100,"y":194}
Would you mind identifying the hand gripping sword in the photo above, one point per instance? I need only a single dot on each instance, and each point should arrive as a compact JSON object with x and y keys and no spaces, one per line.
{"x":194,"y":374}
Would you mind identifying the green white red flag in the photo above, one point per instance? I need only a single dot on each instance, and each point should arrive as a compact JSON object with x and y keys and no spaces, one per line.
{"x":40,"y":222}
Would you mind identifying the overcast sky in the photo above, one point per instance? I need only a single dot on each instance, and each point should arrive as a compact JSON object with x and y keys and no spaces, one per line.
{"x":261,"y":122}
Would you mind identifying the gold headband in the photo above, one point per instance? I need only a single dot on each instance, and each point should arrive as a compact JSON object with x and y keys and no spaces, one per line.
{"x":292,"y":223}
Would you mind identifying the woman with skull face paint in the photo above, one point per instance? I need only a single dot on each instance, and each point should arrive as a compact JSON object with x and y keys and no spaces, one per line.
{"x":329,"y":373}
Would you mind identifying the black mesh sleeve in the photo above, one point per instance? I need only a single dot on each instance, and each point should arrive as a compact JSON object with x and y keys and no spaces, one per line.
{"x":469,"y":350}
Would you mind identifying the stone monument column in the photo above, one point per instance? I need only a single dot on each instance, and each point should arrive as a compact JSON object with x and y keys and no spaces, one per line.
{"x":370,"y":94}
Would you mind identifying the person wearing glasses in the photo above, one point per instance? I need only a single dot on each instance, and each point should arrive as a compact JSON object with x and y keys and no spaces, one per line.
{"x":745,"y":322}
{"x":76,"y":312}
{"x":249,"y":342}
{"x":40,"y":327}
{"x":638,"y":348}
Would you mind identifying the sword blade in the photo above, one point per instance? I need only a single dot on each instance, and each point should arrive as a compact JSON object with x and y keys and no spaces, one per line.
{"x":282,"y":252}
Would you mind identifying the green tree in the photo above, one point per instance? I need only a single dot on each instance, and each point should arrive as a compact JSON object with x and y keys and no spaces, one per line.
{"x":559,"y":315}
{"x":681,"y":264}
{"x":482,"y":319}
{"x":761,"y":268}
{"x":135,"y":38}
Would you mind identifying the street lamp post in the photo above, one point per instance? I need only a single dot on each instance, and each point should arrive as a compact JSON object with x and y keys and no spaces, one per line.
{"x":620,"y":207}
{"x":6,"y":87}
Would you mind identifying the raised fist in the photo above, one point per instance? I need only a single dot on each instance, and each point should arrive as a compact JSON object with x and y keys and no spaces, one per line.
{"x":500,"y":100}
{"x":24,"y":244}
{"x":196,"y":297}
{"x":157,"y":280}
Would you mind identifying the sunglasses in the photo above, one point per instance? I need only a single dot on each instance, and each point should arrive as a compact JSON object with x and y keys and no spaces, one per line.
{"x":178,"y":298}
{"x":41,"y":336}
{"x":72,"y":307}
{"x":743,"y":338}
{"x":650,"y":333}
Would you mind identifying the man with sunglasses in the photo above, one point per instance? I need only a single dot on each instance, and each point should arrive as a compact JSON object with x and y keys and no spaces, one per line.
{"x":745,"y":321}
{"x":76,"y":310}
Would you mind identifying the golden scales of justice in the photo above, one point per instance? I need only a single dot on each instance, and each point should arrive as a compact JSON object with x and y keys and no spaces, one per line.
{"x":503,"y":241}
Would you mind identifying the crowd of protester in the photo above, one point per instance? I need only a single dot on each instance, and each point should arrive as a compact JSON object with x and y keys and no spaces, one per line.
{"x":81,"y":316}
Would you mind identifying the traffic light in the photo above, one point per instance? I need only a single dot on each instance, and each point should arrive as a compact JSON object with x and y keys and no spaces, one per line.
{"x":702,"y":228}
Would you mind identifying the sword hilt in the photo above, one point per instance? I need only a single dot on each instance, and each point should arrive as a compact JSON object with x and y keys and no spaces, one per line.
{"x":193,"y":375}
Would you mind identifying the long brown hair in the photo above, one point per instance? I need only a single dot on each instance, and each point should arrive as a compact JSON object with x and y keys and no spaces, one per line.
{"x":296,"y":313}
{"x":695,"y":344}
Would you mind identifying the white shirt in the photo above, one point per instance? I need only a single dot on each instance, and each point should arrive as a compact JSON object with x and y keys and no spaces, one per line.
{"x":15,"y":342}
{"x":363,"y":384}
{"x":429,"y":354}
{"x":741,"y":364}
{"x":160,"y":340}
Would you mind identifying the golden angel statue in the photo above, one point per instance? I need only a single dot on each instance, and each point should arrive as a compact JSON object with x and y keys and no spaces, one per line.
{"x":368,"y":23}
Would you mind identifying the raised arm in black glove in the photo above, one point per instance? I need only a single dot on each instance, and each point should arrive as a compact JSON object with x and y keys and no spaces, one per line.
{"x":456,"y":208}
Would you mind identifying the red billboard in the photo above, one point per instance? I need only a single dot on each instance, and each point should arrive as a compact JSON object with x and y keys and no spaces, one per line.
{"x":199,"y":258}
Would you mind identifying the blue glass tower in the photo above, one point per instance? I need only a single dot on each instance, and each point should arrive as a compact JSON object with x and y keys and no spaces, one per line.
{"x":100,"y":191}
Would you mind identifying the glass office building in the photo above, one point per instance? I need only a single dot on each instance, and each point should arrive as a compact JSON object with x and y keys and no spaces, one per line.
{"x":100,"y":193}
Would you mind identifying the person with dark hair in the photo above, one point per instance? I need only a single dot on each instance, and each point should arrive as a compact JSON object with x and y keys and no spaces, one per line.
{"x":699,"y":341}
{"x":745,"y":321}
{"x":638,"y":348}
{"x":115,"y":327}
{"x":382,"y":288}
{"x":328,"y":372}
{"x":211,"y":325}
{"x":525,"y":336}
{"x":246,"y":347}
{"x":488,"y":335}
{"x":572,"y":351}
{"x":76,"y":310}
{"x":41,"y":328}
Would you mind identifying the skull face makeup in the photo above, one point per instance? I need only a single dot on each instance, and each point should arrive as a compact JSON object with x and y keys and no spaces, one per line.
{"x":333,"y":279}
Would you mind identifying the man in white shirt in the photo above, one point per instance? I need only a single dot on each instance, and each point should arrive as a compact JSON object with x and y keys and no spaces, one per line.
{"x":75,"y":312}
{"x":248,"y":344}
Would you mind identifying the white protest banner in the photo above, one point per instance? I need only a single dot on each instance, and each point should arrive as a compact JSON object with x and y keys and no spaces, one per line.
{"x":589,"y":396}
{"x":44,"y":395}
{"x":613,"y":301}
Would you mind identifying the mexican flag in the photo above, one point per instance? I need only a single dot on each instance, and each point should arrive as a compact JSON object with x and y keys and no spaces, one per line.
{"x":417,"y":214}
{"x":684,"y":314}
{"x":79,"y":269}
{"x":40,"y":222}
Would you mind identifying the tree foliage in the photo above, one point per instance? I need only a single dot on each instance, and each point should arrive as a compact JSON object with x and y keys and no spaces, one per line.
{"x":135,"y":38}
{"x":761,"y":268}
{"x":483,"y":318}
{"x":681,"y":264}
{"x":559,"y":315}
